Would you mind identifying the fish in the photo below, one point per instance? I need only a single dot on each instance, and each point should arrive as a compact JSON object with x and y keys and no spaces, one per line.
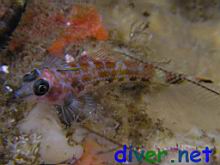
{"x":69,"y":86}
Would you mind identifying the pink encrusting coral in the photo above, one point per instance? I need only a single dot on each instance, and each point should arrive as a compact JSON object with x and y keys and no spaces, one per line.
{"x":82,"y":23}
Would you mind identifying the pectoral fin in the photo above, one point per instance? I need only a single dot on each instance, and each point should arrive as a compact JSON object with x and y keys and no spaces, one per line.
{"x":76,"y":109}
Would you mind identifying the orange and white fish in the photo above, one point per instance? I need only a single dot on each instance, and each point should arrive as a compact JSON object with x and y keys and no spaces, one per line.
{"x":68,"y":86}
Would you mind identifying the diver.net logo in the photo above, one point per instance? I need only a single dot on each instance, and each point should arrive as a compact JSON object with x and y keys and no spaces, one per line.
{"x":129,"y":154}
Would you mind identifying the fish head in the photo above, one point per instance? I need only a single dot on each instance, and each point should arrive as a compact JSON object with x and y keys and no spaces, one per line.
{"x":32,"y":86}
{"x":41,"y":85}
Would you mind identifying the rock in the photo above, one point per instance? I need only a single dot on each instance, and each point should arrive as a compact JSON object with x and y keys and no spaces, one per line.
{"x":54,"y":147}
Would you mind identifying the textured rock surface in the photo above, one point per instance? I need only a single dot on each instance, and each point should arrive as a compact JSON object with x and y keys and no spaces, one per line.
{"x":147,"y":114}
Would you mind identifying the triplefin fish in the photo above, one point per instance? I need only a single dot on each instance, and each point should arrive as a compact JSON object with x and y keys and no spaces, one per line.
{"x":69,"y":86}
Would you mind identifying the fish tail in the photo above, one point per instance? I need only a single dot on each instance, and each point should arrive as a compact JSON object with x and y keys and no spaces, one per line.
{"x":175,"y":78}
{"x":198,"y":83}
{"x":168,"y":77}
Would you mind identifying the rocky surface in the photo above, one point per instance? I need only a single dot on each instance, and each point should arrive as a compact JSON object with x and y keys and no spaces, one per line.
{"x":187,"y":34}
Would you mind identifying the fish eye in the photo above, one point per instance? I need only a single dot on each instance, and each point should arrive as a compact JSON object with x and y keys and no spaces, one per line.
{"x":41,"y":87}
{"x":31,"y":76}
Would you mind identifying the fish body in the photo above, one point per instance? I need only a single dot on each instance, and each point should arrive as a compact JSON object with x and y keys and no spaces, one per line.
{"x":69,"y":86}
{"x":92,"y":73}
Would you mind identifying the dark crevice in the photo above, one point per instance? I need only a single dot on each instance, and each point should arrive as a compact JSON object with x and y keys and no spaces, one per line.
{"x":9,"y":22}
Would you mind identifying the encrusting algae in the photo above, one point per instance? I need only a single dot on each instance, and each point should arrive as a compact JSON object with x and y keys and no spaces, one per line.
{"x":90,"y":157}
{"x":82,"y":22}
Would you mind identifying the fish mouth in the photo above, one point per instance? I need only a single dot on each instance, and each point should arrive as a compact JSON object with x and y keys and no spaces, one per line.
{"x":20,"y":95}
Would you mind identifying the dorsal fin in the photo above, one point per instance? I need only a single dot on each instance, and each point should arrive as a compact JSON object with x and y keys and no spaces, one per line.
{"x":53,"y":62}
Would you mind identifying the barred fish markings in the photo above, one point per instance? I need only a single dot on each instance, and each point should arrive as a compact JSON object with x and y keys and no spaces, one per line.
{"x":174,"y":78}
{"x":93,"y":71}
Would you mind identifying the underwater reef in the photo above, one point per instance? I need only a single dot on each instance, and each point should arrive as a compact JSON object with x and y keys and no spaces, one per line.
{"x":182,"y":37}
